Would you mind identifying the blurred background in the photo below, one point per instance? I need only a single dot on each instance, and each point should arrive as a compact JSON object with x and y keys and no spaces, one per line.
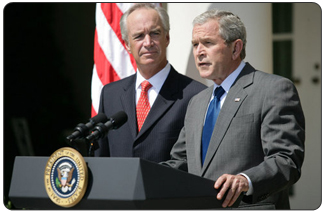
{"x":48,"y":62}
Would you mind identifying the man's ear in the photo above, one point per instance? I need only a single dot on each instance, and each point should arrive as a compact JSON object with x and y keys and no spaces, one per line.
{"x":168,"y":39}
{"x":127,"y":46}
{"x":237,"y":48}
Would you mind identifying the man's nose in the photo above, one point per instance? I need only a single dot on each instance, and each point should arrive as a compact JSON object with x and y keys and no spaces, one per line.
{"x":200,"y":50}
{"x":148,"y":40}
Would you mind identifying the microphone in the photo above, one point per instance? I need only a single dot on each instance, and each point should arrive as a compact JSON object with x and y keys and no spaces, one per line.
{"x":101,"y":130}
{"x":82,"y":130}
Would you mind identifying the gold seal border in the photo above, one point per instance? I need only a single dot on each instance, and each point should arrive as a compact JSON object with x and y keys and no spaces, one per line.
{"x":76,"y":197}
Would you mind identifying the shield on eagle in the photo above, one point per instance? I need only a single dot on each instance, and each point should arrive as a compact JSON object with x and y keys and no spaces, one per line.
{"x":65,"y":174}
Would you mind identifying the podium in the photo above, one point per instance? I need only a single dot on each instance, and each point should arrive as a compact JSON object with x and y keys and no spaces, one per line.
{"x":117,"y":183}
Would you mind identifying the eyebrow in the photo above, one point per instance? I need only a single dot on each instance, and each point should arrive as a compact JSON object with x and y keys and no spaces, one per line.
{"x":156,"y":29}
{"x":201,"y":39}
{"x":136,"y":34}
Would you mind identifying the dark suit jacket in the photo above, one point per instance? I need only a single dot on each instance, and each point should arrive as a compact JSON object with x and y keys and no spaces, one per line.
{"x":162,"y":125}
{"x":260,"y":131}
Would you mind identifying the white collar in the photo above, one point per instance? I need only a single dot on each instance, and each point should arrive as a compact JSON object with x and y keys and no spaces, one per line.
{"x":157,"y":80}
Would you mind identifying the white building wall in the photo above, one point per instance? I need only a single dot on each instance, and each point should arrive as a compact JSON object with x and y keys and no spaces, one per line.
{"x":257,"y":20}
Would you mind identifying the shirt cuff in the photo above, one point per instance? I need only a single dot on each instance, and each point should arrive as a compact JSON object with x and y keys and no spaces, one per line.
{"x":250,"y":191}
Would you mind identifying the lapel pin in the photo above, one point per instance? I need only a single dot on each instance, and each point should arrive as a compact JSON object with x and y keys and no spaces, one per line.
{"x":237,"y":99}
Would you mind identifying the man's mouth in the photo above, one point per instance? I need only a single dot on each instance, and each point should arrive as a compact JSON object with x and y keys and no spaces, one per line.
{"x":149,"y":53}
{"x":202,"y":64}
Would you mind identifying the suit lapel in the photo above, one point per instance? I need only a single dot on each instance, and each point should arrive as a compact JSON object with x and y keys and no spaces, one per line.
{"x":128,"y":102}
{"x":233,"y":101}
{"x":164,"y":100}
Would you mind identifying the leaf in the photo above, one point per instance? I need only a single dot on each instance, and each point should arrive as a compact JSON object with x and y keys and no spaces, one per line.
{"x":57,"y":183}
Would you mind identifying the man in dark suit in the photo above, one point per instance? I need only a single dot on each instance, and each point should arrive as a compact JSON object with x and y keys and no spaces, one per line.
{"x":155,"y":115}
{"x":256,"y":146}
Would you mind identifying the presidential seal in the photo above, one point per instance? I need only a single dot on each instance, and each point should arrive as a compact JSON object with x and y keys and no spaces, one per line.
{"x":66,"y":177}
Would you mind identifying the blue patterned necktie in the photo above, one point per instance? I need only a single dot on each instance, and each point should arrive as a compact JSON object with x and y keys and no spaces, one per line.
{"x":211,"y":117}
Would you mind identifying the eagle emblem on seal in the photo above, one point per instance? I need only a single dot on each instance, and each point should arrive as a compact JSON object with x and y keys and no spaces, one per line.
{"x":64,"y":180}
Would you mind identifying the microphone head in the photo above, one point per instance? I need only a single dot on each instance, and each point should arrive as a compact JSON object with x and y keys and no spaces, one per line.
{"x":101,"y":117}
{"x":118,"y":119}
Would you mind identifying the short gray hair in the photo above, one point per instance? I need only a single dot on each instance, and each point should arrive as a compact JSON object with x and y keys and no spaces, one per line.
{"x":160,"y":10}
{"x":231,"y":27}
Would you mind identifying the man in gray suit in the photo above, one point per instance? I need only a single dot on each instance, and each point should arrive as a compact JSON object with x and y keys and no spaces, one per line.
{"x":256,"y":146}
{"x":154,"y":121}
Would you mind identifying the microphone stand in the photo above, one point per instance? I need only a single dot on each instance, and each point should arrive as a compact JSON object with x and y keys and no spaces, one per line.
{"x":99,"y":131}
{"x":93,"y":145}
{"x":84,"y":146}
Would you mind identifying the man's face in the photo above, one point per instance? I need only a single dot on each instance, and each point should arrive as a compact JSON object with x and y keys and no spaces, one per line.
{"x":213,"y":57}
{"x":147,"y":41}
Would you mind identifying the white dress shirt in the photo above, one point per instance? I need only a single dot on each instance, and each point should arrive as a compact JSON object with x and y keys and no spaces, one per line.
{"x":156,"y":81}
{"x":228,"y":82}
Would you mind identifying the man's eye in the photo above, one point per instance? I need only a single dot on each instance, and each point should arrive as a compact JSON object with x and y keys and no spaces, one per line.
{"x":209,"y":43}
{"x":155,"y":33}
{"x":137,"y":37}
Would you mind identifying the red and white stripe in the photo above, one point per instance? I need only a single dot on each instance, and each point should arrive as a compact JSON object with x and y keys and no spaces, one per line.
{"x":112,"y":61}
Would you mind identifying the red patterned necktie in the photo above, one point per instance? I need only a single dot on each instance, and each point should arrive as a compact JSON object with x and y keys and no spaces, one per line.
{"x":143,"y":105}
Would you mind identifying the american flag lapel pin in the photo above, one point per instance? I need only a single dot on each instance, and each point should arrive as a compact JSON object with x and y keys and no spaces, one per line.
{"x":237,"y":99}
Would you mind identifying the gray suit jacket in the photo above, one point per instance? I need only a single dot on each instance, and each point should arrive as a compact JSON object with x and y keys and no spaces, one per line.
{"x":162,"y":125}
{"x":260,"y":131}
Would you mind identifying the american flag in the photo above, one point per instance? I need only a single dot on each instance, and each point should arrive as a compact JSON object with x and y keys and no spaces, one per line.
{"x":112,"y":61}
